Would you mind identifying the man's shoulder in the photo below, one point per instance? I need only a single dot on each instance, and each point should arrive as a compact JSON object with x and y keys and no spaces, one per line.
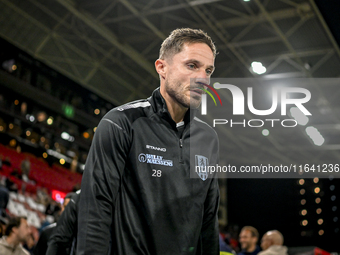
{"x":3,"y":242}
{"x":122,"y":117}
{"x":5,"y":248}
{"x":203,"y":125}
{"x":48,"y":230}
{"x":138,"y":104}
{"x":130,"y":111}
{"x":275,"y":249}
{"x":269,"y":251}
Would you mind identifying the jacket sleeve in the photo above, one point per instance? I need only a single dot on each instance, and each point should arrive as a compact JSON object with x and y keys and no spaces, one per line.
{"x":66,"y":229}
{"x":100,"y":185}
{"x":41,"y":246}
{"x":210,"y":231}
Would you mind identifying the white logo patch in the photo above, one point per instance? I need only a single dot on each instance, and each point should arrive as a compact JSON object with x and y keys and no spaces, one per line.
{"x":201,"y":163}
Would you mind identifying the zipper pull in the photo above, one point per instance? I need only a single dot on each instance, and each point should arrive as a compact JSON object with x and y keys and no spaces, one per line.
{"x":180,"y":143}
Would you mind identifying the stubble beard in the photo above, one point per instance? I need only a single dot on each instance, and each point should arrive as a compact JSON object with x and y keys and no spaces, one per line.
{"x":179,"y":96}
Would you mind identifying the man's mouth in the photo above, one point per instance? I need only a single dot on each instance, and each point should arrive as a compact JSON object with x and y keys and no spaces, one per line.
{"x":198,"y":88}
{"x":197,"y":91}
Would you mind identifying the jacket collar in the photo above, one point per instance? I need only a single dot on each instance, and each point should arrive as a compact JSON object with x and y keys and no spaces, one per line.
{"x":160,"y":108}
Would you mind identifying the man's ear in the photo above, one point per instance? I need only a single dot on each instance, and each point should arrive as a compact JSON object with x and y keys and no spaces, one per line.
{"x":15,"y":230}
{"x":161,"y":67}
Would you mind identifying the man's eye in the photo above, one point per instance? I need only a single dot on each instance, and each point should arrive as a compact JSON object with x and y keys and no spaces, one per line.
{"x":208,"y":71}
{"x":191,"y":66}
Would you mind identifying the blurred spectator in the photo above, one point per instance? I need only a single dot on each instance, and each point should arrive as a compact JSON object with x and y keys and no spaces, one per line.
{"x":15,"y":173}
{"x":41,"y":247}
{"x":7,"y":162}
{"x":234,"y":243}
{"x":76,"y":187}
{"x":25,"y":166}
{"x":42,"y":196}
{"x":29,"y":244}
{"x":44,"y":222}
{"x":272,"y":244}
{"x":225,"y":248}
{"x":3,"y":223}
{"x":64,"y":237}
{"x":25,"y":170}
{"x":4,"y":197}
{"x":17,"y":232}
{"x":11,"y":186}
{"x":52,"y":208}
{"x":67,"y":200}
{"x":1,"y":158}
{"x":248,"y":240}
{"x":1,"y":230}
{"x":230,"y":236}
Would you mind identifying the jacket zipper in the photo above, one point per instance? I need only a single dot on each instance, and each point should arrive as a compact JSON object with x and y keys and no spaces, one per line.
{"x":180,"y":150}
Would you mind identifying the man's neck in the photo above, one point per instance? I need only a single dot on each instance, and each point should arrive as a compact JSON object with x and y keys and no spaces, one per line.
{"x":251,"y":249}
{"x":176,"y":110}
{"x":11,"y":240}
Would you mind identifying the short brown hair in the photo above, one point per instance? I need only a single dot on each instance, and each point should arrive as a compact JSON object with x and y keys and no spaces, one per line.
{"x":173,"y":44}
{"x":253,"y":231}
{"x":13,"y":223}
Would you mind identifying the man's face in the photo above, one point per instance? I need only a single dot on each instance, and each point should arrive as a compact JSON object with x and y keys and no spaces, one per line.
{"x":23,"y":231}
{"x":188,"y":71}
{"x":265,"y":242}
{"x":247,"y":240}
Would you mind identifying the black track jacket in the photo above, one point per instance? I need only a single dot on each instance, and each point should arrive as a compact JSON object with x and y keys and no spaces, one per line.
{"x":137,"y":194}
{"x":65,"y":233}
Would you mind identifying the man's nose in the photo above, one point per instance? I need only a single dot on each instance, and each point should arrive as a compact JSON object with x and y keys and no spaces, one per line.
{"x":203,"y":78}
{"x":203,"y":74}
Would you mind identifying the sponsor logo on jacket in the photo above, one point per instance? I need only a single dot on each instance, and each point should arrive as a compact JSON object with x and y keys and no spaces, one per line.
{"x":154,"y":159}
{"x":155,"y":148}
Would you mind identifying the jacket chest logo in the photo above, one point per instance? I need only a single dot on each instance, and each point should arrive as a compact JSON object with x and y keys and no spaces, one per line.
{"x":154,"y":159}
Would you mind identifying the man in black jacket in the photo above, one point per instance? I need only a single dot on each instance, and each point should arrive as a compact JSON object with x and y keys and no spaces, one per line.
{"x":63,"y":239}
{"x":139,"y":191}
{"x":63,"y":236}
